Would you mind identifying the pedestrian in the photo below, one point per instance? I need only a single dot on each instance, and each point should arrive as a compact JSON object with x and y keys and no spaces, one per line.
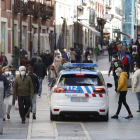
{"x":134,"y":61}
{"x":87,"y":52}
{"x":25,"y":62}
{"x":96,"y":51}
{"x":130,"y":48}
{"x":52,"y":76}
{"x":122,"y":89}
{"x":57,"y":51}
{"x":40,"y":70}
{"x":36,"y":89}
{"x":63,"y":61}
{"x":57,"y":62}
{"x":114,"y":65}
{"x":119,"y":47}
{"x":136,"y":83}
{"x":73,"y":55}
{"x":8,"y":99}
{"x":34,"y":59}
{"x":88,"y":60}
{"x":23,"y":53}
{"x":23,"y":91}
{"x":124,"y":50}
{"x":65,"y":55}
{"x":110,"y":52}
{"x":69,"y":56}
{"x":3,"y":60}
{"x":115,"y":49}
{"x":127,"y":62}
{"x":47,"y":60}
{"x":78,"y":54}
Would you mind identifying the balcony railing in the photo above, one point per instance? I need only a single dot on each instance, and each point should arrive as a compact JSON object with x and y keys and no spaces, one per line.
{"x":118,"y":11}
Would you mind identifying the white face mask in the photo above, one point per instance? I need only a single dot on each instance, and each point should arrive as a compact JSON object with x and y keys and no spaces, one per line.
{"x":7,"y":72}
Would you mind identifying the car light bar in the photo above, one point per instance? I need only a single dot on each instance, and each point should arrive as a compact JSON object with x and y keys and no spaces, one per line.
{"x":80,"y":65}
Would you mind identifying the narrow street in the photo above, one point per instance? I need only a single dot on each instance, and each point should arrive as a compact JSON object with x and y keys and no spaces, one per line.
{"x":75,"y":127}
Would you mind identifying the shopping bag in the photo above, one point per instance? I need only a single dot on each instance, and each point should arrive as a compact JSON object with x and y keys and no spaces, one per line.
{"x":16,"y":105}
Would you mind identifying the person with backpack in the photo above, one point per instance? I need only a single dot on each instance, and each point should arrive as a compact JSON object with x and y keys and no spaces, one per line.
{"x":127,"y":62}
{"x":114,"y":65}
{"x":96,"y":51}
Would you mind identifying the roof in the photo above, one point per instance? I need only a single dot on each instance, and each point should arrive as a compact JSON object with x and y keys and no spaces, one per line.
{"x":83,"y":71}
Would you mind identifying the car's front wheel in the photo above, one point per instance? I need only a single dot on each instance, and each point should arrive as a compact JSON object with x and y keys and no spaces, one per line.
{"x":105,"y":117}
{"x":53,"y":117}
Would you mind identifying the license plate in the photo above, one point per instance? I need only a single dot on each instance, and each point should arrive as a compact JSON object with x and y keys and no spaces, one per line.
{"x":79,"y":99}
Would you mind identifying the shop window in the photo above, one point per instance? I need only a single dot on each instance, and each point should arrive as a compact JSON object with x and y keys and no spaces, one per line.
{"x":24,"y":37}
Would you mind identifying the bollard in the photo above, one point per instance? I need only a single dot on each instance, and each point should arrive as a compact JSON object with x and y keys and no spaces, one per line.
{"x":1,"y":106}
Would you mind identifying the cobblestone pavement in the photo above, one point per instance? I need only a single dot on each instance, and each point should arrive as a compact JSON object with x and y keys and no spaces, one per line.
{"x":76,"y":127}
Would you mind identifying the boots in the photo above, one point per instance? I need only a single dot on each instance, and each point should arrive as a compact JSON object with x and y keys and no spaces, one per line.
{"x":34,"y":116}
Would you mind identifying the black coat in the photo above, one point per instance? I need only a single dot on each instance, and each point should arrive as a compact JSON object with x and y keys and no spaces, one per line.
{"x":110,"y":49}
{"x":47,"y":59}
{"x":39,"y":69}
{"x":34,"y":59}
{"x":35,"y":82}
{"x":87,"y":61}
{"x":5,"y":81}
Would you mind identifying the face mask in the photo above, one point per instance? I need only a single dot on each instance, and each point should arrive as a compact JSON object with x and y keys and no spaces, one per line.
{"x":89,"y":59}
{"x":58,"y":55}
{"x":47,"y":53}
{"x":23,"y":73}
{"x":134,"y":69}
{"x":117,"y":74}
{"x":114,"y":59}
{"x":7,"y":72}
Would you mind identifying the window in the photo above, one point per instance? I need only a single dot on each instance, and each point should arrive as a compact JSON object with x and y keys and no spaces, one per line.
{"x":2,"y":36}
{"x":15,"y":35}
{"x":24,"y":37}
{"x":86,"y":80}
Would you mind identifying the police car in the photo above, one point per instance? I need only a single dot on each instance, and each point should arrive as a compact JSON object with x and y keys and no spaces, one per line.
{"x":80,"y":90}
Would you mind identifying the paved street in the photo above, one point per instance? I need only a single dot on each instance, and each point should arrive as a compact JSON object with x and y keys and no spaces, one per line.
{"x":75,"y":127}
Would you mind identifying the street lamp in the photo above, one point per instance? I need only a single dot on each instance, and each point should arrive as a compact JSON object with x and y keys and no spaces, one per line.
{"x":54,"y":34}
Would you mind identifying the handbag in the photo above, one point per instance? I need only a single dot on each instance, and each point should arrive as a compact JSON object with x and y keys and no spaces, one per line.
{"x":16,"y":105}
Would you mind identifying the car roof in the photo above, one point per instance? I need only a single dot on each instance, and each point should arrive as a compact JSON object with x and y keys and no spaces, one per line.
{"x":82,"y":71}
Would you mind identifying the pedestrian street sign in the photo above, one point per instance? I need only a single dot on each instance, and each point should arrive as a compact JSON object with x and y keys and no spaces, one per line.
{"x":116,"y":30}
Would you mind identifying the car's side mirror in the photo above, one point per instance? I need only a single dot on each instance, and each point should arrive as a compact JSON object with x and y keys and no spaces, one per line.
{"x":109,"y":85}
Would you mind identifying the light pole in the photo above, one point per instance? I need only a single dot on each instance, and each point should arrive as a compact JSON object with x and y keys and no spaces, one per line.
{"x":54,"y":34}
{"x":39,"y":28}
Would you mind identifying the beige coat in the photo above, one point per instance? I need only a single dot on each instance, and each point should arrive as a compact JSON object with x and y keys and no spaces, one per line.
{"x":73,"y":54}
{"x":57,"y":63}
{"x":119,"y":47}
{"x":136,"y":81}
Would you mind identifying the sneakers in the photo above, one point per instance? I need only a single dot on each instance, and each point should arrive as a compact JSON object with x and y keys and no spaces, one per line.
{"x":39,"y":96}
{"x":114,"y":117}
{"x":34,"y":116}
{"x":23,"y":120}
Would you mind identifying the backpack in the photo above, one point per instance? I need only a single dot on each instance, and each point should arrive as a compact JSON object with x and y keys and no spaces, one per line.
{"x":125,"y":60}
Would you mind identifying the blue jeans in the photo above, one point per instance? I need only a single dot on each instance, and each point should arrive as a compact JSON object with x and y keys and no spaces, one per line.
{"x":120,"y":55}
{"x":115,"y":52}
{"x":40,"y":85}
{"x":138,"y":98}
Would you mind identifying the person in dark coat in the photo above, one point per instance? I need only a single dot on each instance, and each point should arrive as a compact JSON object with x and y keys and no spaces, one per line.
{"x":40,"y":70}
{"x":23,"y":53}
{"x":47,"y":59}
{"x":88,"y":60}
{"x":78,"y":54}
{"x":3,"y":60}
{"x":33,"y":59}
{"x":25,"y":62}
{"x":36,"y":89}
{"x":87,"y":53}
{"x":110,"y":52}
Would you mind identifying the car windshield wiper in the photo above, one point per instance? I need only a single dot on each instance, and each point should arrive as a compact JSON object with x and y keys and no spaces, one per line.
{"x":85,"y":84}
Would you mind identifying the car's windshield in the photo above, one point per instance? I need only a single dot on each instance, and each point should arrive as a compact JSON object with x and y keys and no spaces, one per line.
{"x":73,"y":80}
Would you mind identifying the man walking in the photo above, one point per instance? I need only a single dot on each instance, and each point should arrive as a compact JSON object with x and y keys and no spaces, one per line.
{"x":114,"y":65}
{"x":36,"y":89}
{"x":47,"y":60}
{"x":136,"y":83}
{"x":88,"y":60}
{"x":40,"y":70}
{"x":110,"y":52}
{"x":78,"y":54}
{"x":24,"y":90}
{"x":25,"y":62}
{"x":34,"y":59}
{"x":65,"y":55}
{"x":96,"y":51}
{"x":120,"y":51}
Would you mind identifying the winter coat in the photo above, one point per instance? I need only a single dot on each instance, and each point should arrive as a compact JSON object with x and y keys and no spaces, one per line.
{"x":96,"y":50}
{"x":119,"y":47}
{"x":61,"y":68}
{"x":122,"y":82}
{"x":10,"y":79}
{"x":6,"y":61}
{"x":23,"y":53}
{"x":136,"y":81}
{"x":57,"y":63}
{"x":50,"y":78}
{"x":87,"y":61}
{"x":23,"y":87}
{"x":47,"y":59}
{"x":25,"y":62}
{"x":78,"y":52}
{"x":66,"y":56}
{"x":129,"y":58}
{"x":34,"y":59}
{"x":133,"y":62}
{"x":40,"y":69}
{"x":110,"y":50}
{"x":73,"y":54}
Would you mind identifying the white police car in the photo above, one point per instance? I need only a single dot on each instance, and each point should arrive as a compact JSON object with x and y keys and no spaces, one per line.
{"x":80,"y":90}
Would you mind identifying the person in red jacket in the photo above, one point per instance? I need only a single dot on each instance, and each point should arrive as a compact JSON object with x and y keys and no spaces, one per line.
{"x":3,"y":60}
{"x":115,"y":48}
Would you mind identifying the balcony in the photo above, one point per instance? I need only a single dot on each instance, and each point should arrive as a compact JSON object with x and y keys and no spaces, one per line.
{"x":118,"y":11}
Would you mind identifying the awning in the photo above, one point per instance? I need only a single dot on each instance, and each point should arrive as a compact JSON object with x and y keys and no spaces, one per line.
{"x":95,"y":32}
{"x":129,"y":36}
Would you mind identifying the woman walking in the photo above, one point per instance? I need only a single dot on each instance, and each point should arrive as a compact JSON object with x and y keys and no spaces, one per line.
{"x":96,"y":51}
{"x":52,"y":76}
{"x":122,"y":88}
{"x":9,"y":92}
{"x":57,"y":62}
{"x":73,"y":55}
{"x":62,"y":63}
